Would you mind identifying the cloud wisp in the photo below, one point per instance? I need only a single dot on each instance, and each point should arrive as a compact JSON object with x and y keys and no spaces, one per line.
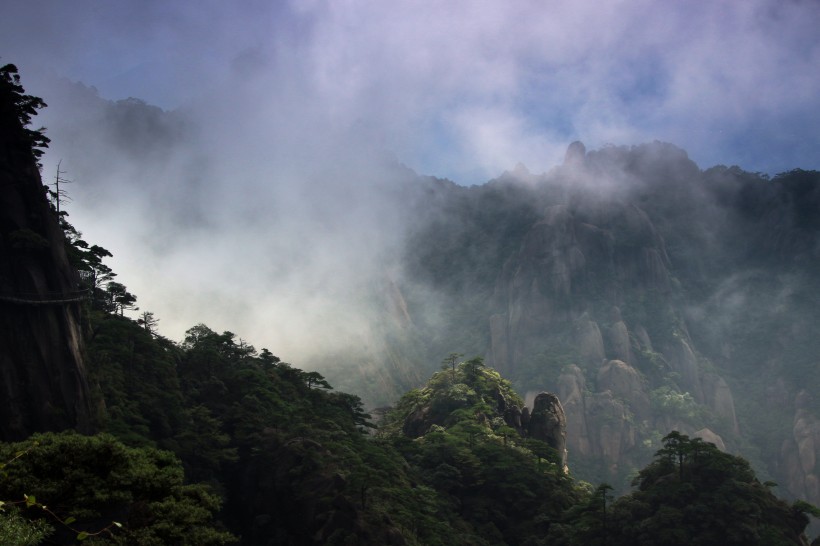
{"x":257,"y":201}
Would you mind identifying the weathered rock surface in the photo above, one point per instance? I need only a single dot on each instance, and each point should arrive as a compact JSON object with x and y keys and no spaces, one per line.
{"x":718,"y":396}
{"x":685,"y":364}
{"x":619,"y":343}
{"x":572,"y":389}
{"x":43,"y":383}
{"x":612,"y":431}
{"x":548,"y":423}
{"x":589,"y":341}
{"x":627,"y":384}
{"x":707,"y":435}
{"x":591,"y":279}
{"x":799,"y":451}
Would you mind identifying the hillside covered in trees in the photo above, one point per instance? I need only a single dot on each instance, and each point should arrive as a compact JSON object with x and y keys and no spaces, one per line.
{"x":115,"y":434}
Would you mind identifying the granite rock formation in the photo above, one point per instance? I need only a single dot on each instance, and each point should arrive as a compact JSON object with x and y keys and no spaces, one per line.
{"x":589,"y":302}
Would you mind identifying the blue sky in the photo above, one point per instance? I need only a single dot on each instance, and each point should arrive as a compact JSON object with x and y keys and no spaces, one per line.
{"x":461,"y":89}
{"x":265,"y":220}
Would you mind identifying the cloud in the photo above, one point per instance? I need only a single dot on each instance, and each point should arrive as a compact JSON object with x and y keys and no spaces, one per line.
{"x":698,"y":74}
{"x":267,"y":213}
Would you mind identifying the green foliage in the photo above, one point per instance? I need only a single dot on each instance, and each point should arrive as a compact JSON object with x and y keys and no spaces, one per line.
{"x":16,"y":111}
{"x":278,"y":441}
{"x":679,"y":405}
{"x":90,"y":482}
{"x":465,"y":388}
{"x":692,"y":493}
{"x":138,"y":381}
{"x":501,"y":487}
{"x":16,"y":530}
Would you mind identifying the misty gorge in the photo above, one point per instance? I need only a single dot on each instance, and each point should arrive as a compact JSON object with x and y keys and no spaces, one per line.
{"x":670,"y":312}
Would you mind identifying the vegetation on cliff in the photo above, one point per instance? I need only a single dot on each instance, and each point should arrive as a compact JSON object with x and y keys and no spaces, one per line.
{"x":691,"y":493}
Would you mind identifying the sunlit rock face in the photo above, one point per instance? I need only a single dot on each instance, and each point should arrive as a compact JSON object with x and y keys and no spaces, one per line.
{"x":43,"y":383}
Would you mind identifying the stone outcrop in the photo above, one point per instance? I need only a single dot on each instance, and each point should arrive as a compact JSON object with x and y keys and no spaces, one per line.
{"x":685,"y":364}
{"x":548,"y":423}
{"x":625,"y":383}
{"x":612,"y":433}
{"x":618,"y":336}
{"x":589,"y":341}
{"x":572,"y":390}
{"x":43,"y":383}
{"x":718,"y":397}
{"x":707,"y":435}
{"x":575,"y":253}
{"x":799,"y":451}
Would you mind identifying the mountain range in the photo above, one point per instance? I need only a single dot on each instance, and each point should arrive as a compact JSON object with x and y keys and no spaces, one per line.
{"x":647,"y":294}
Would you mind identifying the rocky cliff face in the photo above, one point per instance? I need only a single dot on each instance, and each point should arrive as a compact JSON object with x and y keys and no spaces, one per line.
{"x":547,"y":422}
{"x":590,"y":305}
{"x":650,"y":295}
{"x":43,"y":384}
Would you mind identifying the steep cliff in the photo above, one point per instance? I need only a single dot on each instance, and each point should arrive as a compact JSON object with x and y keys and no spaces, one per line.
{"x":650,"y":295}
{"x":589,"y":303}
{"x":44,"y":385}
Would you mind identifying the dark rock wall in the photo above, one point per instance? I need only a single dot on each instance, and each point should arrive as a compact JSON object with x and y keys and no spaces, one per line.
{"x":43,"y":384}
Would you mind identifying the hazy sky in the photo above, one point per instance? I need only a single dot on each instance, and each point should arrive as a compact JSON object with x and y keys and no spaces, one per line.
{"x":463,"y":89}
{"x":291,"y":99}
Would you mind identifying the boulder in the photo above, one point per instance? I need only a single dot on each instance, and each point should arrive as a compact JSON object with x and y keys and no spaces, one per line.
{"x":589,"y":341}
{"x":418,"y":422}
{"x":626,"y":384}
{"x":619,"y":345}
{"x":707,"y":435}
{"x":548,"y":423}
{"x":683,"y":361}
{"x":571,"y":389}
{"x":718,"y":396}
{"x":611,"y":431}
